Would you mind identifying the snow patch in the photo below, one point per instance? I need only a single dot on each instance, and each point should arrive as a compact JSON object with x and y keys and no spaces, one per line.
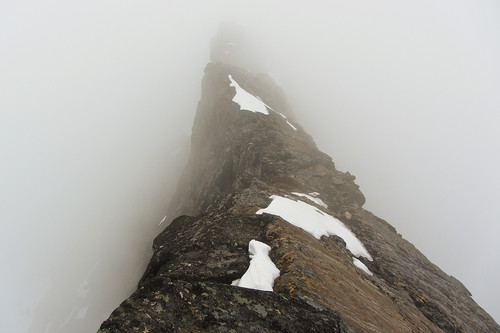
{"x":252,"y":103}
{"x":314,"y":221}
{"x":309,"y":196}
{"x":261,"y":272}
{"x":361,"y":266}
{"x":246,"y":100}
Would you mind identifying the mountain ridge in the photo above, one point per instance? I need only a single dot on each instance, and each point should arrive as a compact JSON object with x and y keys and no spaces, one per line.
{"x":239,"y":160}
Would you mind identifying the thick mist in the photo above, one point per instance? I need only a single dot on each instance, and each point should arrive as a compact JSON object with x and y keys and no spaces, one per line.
{"x":98,"y":98}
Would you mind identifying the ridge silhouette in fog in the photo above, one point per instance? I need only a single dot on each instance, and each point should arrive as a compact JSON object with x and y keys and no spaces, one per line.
{"x":94,"y":96}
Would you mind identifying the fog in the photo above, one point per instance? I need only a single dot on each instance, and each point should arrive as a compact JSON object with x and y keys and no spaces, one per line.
{"x":98,"y":97}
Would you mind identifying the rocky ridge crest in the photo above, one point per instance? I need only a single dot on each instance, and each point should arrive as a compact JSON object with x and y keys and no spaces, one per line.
{"x":238,"y":160}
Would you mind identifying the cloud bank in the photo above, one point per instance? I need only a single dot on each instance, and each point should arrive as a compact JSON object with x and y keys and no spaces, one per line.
{"x":96,"y":99}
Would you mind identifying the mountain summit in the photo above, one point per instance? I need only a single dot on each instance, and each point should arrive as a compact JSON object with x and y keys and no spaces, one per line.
{"x":269,"y":237}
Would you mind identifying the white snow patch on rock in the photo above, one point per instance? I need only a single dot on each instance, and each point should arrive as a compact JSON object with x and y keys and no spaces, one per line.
{"x":309,"y":196}
{"x":252,"y":103}
{"x":361,"y":266}
{"x":261,"y":272}
{"x":314,"y":221}
{"x":246,"y":100}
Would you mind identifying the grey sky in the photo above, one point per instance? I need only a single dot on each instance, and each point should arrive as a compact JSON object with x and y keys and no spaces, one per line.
{"x":95,"y":95}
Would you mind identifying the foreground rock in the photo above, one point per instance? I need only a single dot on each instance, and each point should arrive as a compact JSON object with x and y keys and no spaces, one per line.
{"x":239,"y":159}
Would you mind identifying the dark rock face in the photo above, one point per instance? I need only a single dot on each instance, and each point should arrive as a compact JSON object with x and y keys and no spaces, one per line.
{"x":238,"y":160}
{"x":164,"y":305}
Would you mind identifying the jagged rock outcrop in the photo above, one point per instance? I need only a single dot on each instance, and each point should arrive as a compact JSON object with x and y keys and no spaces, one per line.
{"x":239,"y":159}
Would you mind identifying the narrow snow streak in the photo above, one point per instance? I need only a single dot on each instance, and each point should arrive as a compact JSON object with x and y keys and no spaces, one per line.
{"x":261,"y":272}
{"x":246,"y":100}
{"x":284,"y":117}
{"x":293,"y":127}
{"x":163,"y":220}
{"x":317,"y":201}
{"x":315,"y":222}
{"x":361,"y":266}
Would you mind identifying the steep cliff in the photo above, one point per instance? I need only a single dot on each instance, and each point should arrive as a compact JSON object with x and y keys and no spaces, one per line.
{"x":254,"y":174}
